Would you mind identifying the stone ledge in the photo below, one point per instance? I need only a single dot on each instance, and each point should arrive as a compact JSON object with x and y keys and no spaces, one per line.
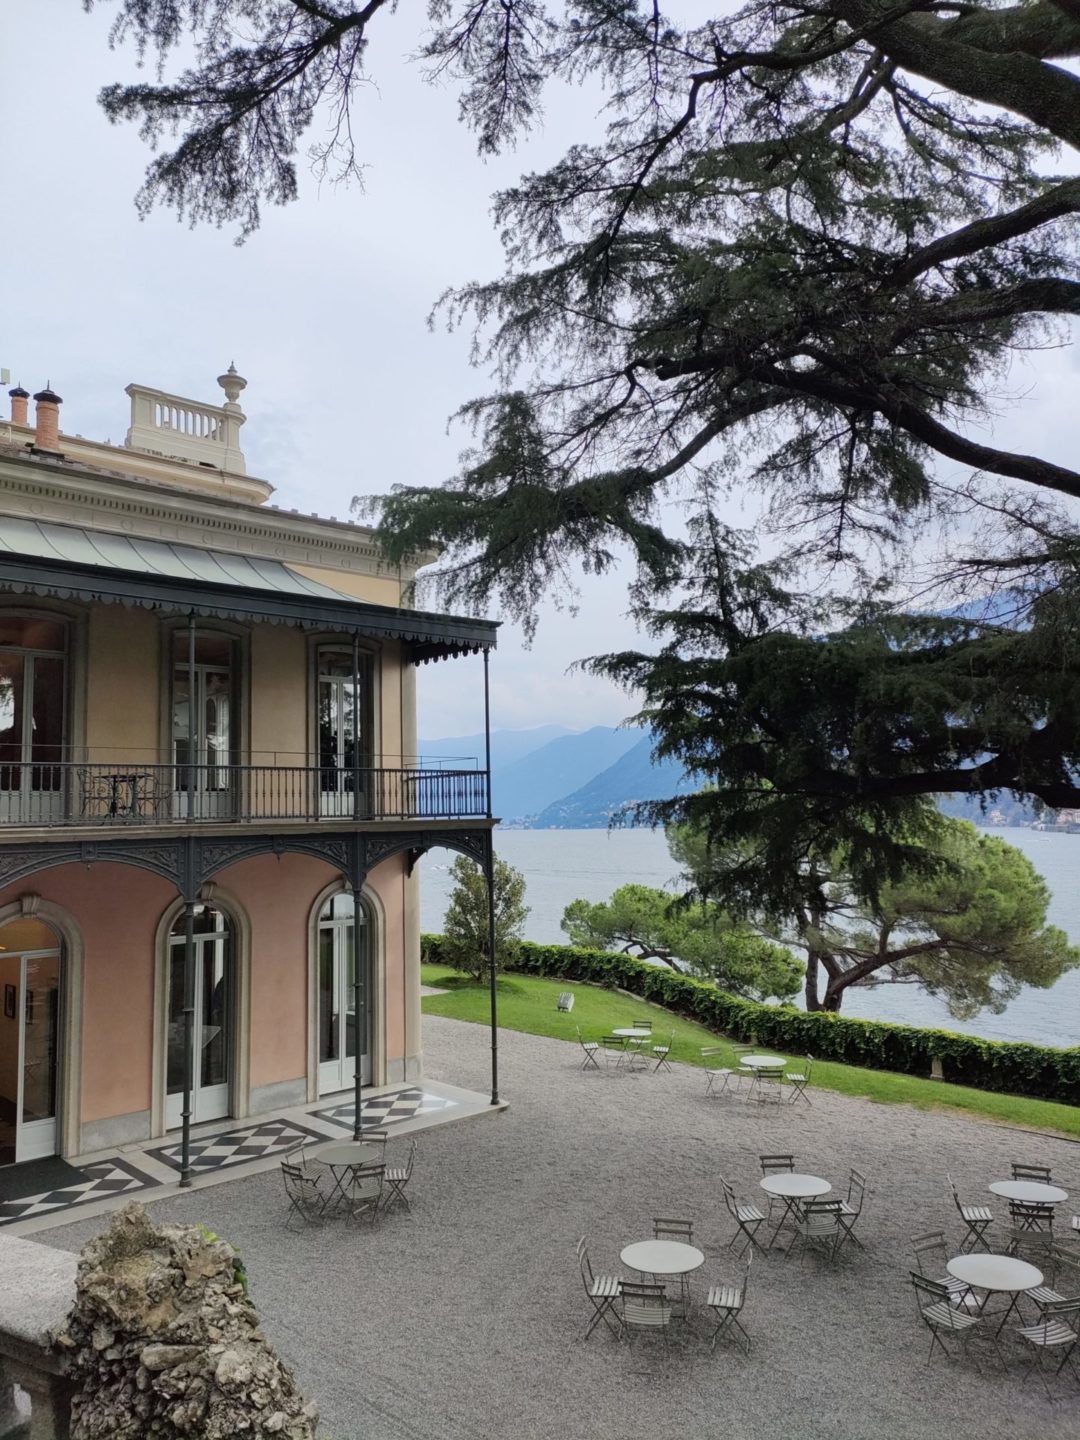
{"x":37,"y":1294}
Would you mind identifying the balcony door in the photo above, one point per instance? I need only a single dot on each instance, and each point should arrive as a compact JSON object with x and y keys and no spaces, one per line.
{"x":337,"y":996}
{"x":33,"y":679}
{"x":341,"y":700}
{"x":212,"y":749}
{"x":30,"y":969}
{"x":213,"y":1026}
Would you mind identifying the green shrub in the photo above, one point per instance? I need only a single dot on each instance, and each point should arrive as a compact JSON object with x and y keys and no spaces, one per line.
{"x":1009,"y":1067}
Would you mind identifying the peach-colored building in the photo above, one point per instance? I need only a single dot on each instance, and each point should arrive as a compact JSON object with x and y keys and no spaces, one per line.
{"x":210,"y":798}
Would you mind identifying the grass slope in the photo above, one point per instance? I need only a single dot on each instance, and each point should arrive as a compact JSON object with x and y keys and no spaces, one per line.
{"x":527,"y":1003}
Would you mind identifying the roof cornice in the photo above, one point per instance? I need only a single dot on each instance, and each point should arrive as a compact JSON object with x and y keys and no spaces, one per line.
{"x":61,"y":492}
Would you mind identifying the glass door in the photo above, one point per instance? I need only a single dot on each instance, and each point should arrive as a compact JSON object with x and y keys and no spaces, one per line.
{"x":340,"y":702}
{"x":212,"y":1095}
{"x":32,"y":710}
{"x":29,"y":1044}
{"x":337,"y":998}
{"x":214,"y":712}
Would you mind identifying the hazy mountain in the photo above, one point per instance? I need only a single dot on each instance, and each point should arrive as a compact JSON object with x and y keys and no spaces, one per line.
{"x":632,"y":777}
{"x":507,"y":746}
{"x":558,"y":768}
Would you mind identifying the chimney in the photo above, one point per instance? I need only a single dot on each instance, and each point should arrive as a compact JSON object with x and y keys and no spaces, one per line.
{"x":47,"y":432}
{"x":19,"y":397}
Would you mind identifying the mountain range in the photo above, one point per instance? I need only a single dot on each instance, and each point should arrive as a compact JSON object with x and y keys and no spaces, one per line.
{"x":554,"y":778}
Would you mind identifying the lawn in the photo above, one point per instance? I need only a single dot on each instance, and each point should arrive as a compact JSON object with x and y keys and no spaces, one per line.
{"x":527,"y":1003}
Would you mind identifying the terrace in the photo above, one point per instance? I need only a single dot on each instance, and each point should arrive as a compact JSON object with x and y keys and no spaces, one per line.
{"x":465,"y":1318}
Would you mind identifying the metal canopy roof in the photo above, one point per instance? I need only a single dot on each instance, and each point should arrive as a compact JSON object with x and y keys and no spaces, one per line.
{"x":72,"y":563}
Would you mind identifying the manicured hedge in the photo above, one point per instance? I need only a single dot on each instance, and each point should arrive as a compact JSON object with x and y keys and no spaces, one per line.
{"x":1014,"y":1069}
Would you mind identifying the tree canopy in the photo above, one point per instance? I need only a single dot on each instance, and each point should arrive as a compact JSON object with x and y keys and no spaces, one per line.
{"x":968,"y":924}
{"x":701,"y":938}
{"x":800,"y":260}
{"x":465,"y":928}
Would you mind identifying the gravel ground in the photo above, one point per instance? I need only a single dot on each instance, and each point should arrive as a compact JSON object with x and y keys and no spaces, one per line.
{"x":465,"y":1319}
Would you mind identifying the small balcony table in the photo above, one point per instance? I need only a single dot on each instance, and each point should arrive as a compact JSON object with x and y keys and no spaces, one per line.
{"x":1001,"y":1274}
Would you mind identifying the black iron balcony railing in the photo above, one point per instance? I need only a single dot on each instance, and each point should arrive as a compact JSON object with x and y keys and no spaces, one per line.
{"x":66,"y":793}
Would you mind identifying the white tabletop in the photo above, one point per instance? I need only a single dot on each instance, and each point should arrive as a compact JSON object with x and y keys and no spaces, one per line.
{"x":795,"y":1187}
{"x":756,"y":1062}
{"x":662,"y":1257}
{"x":633,"y":1032}
{"x":995,"y":1272}
{"x":1034,"y":1192}
{"x":356,"y":1152}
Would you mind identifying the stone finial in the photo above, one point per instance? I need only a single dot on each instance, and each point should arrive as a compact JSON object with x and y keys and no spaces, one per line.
{"x":232,"y":383}
{"x":19,"y":397}
{"x":47,"y":419}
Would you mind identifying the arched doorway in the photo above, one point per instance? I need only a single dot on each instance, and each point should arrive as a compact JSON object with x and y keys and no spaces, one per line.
{"x":335,"y":979}
{"x":31,"y":966}
{"x":214,"y":1021}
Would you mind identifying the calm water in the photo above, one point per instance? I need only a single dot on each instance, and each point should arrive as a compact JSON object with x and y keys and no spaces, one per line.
{"x":561,"y":865}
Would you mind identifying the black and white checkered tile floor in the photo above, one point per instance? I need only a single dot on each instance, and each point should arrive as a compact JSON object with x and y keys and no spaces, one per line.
{"x":101,"y":1181}
{"x":234,"y":1147}
{"x":118,"y":1176}
{"x":387,"y":1109}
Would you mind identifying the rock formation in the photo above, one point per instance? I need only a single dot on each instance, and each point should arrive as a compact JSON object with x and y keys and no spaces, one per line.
{"x":163,"y":1342}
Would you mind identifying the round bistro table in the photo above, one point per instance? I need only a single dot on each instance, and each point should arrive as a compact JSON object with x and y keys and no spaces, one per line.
{"x":762,"y":1062}
{"x":996,"y":1274}
{"x":345,"y":1161}
{"x":791,"y":1189}
{"x":1029,"y":1192}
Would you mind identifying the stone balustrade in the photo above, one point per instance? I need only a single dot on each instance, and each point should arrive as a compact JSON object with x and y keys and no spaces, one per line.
{"x":37,"y":1294}
{"x":182,"y":429}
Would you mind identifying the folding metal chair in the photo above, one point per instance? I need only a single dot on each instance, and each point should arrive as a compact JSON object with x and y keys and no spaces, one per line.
{"x":851,"y":1208}
{"x":941,"y":1317}
{"x":1031,"y":1226}
{"x":644,"y":1307}
{"x":717,"y":1077}
{"x":397,"y":1178}
{"x":306,"y":1199}
{"x":767,"y":1083}
{"x":932,"y":1246}
{"x":726,"y":1303}
{"x":1023,"y":1171}
{"x":683,"y":1232}
{"x":602,"y":1290}
{"x":591,"y":1049}
{"x":977,"y":1218}
{"x":819,"y":1224}
{"x":776,"y":1165}
{"x":363,"y":1195}
{"x":662,"y":1052}
{"x":614,"y":1050}
{"x":799,"y":1080}
{"x":1058,"y":1328}
{"x":748,"y":1218}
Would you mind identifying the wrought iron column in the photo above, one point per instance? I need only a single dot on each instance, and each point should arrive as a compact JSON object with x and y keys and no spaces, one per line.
{"x":189,"y":1041}
{"x":192,"y":724}
{"x":356,"y":726}
{"x":489,"y":875}
{"x":489,"y":872}
{"x":359,"y":1000}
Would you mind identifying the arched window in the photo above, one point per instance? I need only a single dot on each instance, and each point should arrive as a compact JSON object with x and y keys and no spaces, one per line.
{"x":337,"y":993}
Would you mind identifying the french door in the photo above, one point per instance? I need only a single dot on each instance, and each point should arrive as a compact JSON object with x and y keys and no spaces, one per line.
{"x":342,"y":700}
{"x":211,"y":706}
{"x":32,"y":711}
{"x":29,"y":1047}
{"x":211,"y":1097}
{"x":337,"y":998}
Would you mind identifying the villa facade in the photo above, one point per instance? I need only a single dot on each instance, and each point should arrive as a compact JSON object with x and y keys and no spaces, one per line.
{"x":210,"y":799}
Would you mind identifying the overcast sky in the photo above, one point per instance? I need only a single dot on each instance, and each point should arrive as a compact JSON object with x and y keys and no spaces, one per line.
{"x":324,"y":311}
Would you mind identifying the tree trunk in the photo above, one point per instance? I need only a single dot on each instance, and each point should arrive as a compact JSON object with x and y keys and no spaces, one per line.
{"x":811,"y":998}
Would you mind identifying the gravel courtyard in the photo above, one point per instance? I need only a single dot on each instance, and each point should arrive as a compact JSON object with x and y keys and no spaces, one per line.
{"x":466,"y":1318}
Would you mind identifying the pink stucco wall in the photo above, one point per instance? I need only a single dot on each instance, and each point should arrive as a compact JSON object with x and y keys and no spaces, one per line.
{"x":118,"y":908}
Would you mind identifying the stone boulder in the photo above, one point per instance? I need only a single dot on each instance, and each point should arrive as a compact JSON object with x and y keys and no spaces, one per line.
{"x":164,"y":1342}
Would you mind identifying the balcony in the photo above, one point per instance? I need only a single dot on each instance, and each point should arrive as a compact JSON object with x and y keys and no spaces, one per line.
{"x":67,"y":794}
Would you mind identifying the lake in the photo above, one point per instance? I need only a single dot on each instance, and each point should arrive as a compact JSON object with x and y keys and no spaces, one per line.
{"x":561,"y":865}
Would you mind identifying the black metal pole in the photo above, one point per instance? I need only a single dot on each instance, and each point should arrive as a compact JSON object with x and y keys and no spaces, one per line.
{"x":356,"y":724}
{"x":192,"y":727}
{"x":189,"y":1041}
{"x":489,"y":872}
{"x":358,"y":1008}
